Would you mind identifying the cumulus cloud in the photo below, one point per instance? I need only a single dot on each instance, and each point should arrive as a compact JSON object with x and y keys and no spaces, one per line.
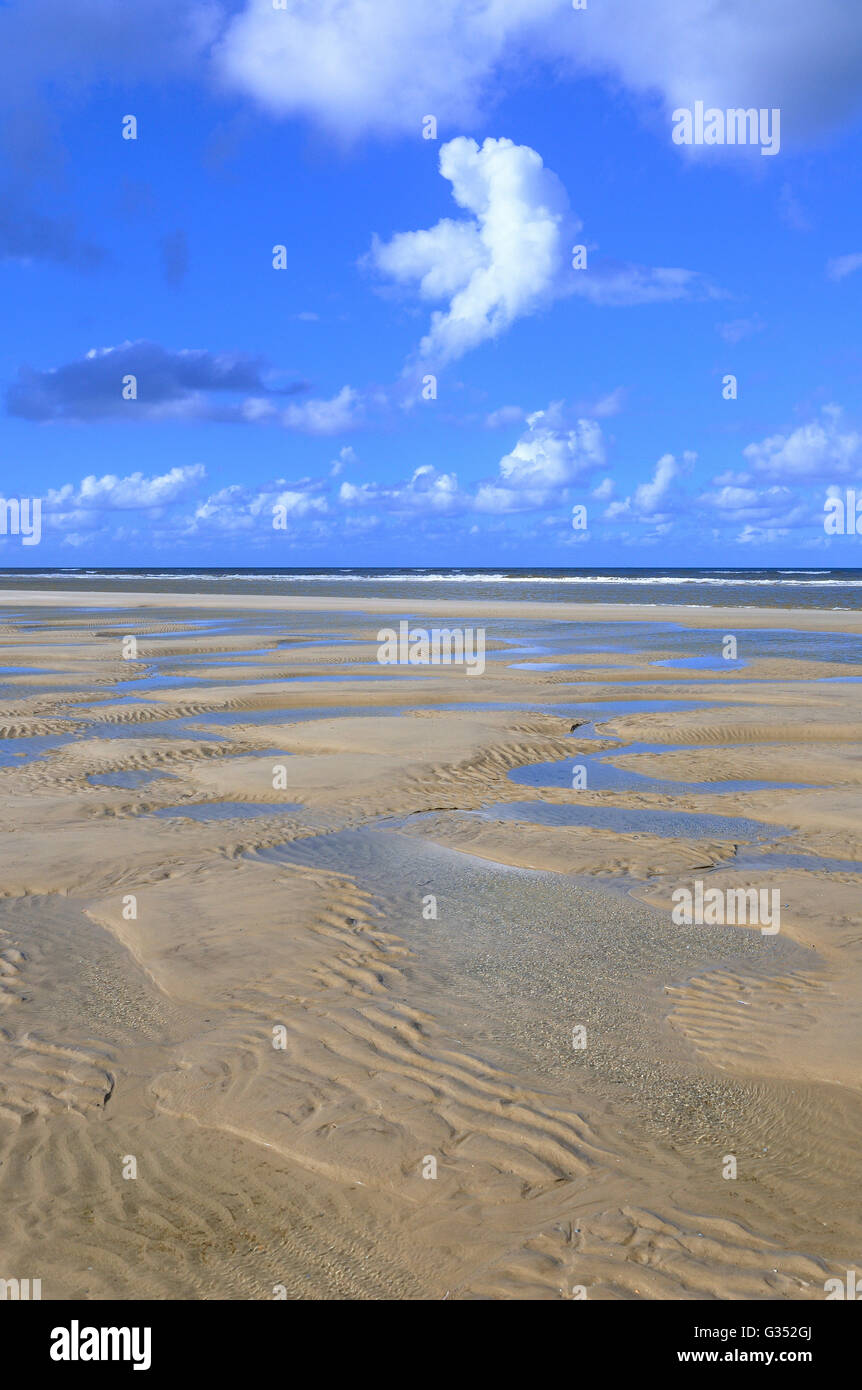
{"x":341,"y":412}
{"x":191,"y":384}
{"x":512,"y":255}
{"x":789,"y":54}
{"x":355,"y":67}
{"x":762,"y":514}
{"x":747,"y":503}
{"x":87,"y":508}
{"x":649,"y":496}
{"x":170,"y":507}
{"x":346,"y":456}
{"x":504,"y":261}
{"x":427,"y":490}
{"x":545,"y":460}
{"x":240,"y":509}
{"x":652,"y":500}
{"x":549,"y":456}
{"x":134,"y":492}
{"x":809,"y":451}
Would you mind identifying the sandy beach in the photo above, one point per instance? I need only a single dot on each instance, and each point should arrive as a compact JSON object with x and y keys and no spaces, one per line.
{"x":334,"y":978}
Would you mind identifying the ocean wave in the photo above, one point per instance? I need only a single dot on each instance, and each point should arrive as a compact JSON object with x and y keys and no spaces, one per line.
{"x":718,"y":579}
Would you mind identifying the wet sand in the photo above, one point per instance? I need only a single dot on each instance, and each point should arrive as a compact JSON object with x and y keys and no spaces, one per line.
{"x":388,"y":874}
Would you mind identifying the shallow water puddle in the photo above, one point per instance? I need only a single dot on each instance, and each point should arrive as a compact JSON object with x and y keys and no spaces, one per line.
{"x":635,"y":820}
{"x":704,"y":663}
{"x":809,"y":863}
{"x":127,"y":778}
{"x":17,"y":752}
{"x":600,"y":773}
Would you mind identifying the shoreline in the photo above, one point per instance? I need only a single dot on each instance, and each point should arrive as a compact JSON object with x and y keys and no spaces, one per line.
{"x":796,"y":619}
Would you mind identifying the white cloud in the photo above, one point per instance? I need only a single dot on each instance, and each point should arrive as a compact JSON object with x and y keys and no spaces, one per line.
{"x":651,"y":500}
{"x":790,"y":54}
{"x":608,"y":405}
{"x":505,"y":261}
{"x":293,"y":503}
{"x":332,"y":416}
{"x":738,"y":503}
{"x":619,"y":284}
{"x":763,"y":513}
{"x":843,"y":265}
{"x":545,"y":460}
{"x":353,"y":66}
{"x":761,"y":535}
{"x":325,"y":417}
{"x":237,"y":508}
{"x":512,"y":256}
{"x":135,"y":491}
{"x":649,"y":496}
{"x":346,"y":456}
{"x":427,"y":490}
{"x":808,"y":450}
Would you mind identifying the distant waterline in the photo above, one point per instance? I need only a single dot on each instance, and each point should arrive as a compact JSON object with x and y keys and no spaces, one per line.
{"x":770,"y":588}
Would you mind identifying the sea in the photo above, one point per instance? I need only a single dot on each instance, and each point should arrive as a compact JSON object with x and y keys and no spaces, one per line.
{"x":696,"y":588}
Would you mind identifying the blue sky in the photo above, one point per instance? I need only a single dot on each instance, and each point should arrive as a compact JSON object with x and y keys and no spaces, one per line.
{"x":296,"y":395}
